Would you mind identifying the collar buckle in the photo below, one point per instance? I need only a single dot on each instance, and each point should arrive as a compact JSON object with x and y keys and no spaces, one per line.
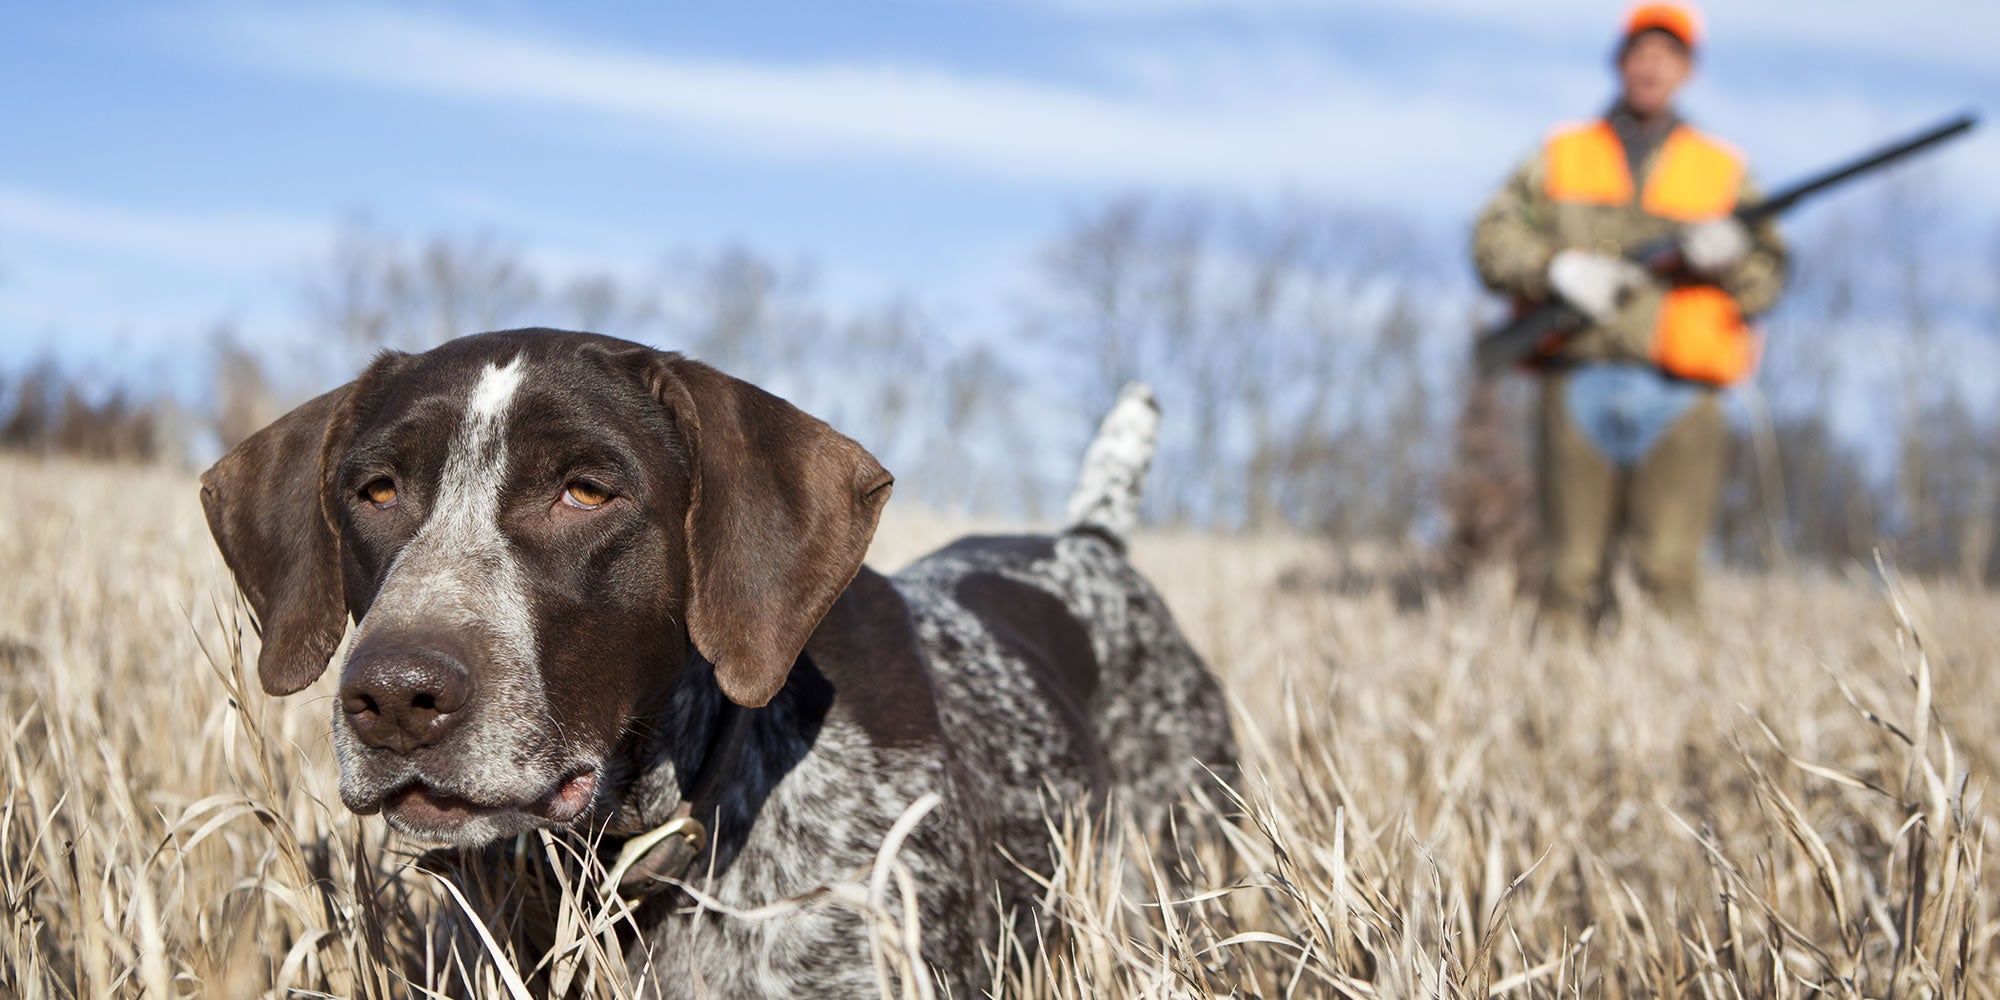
{"x":647,"y":861}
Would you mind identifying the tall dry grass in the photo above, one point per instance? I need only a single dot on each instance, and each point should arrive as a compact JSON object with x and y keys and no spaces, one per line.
{"x":1785,"y":802}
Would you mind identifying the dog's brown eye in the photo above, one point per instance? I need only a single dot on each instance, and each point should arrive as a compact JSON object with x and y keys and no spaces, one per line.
{"x":586,"y":495}
{"x":381,"y":492}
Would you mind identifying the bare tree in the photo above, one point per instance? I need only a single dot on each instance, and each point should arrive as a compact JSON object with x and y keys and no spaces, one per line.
{"x":31,"y":419}
{"x":378,"y":292}
{"x":245,"y":399}
{"x":1095,"y":275}
{"x":1275,"y":334}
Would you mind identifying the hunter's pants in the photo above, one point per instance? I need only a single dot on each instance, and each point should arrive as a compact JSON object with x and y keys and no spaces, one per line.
{"x":1599,"y":482}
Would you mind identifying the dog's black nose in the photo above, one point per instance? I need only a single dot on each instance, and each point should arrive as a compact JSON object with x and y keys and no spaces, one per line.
{"x":403,"y":697}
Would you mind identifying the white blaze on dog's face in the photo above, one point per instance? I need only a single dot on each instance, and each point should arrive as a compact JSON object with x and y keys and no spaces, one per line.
{"x":457,"y":587}
{"x":445,"y":721}
{"x":529,"y":538}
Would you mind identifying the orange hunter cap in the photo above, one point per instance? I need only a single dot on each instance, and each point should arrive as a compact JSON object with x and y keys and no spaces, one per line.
{"x":1681,"y":21}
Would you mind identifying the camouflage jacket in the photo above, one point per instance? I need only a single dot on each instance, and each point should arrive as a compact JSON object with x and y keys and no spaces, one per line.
{"x":1521,"y":228}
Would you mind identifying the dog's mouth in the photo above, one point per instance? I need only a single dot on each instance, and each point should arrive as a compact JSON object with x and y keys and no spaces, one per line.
{"x":431,"y":813}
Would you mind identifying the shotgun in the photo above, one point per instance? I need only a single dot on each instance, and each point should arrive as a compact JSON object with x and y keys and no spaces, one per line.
{"x":1524,"y":336}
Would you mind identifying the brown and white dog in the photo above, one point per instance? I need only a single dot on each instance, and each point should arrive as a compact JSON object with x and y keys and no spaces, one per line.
{"x":602,"y":588}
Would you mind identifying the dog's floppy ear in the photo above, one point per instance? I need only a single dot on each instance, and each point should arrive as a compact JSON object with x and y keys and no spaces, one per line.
{"x":267,"y":506}
{"x":781,"y":509}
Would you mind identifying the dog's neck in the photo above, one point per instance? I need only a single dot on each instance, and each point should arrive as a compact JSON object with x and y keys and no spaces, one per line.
{"x":683,"y":750}
{"x":865,"y":648}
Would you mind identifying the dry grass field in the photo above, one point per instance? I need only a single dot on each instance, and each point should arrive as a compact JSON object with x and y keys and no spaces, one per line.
{"x":1784,"y":803}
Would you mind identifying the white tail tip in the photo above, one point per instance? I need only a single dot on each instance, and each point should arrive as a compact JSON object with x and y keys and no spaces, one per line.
{"x":1114,"y":466}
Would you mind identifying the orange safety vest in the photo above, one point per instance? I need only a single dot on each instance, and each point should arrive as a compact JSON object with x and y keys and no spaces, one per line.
{"x":1701,"y":333}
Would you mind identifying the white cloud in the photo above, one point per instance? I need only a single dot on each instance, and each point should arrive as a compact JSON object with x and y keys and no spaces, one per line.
{"x":118,"y":285}
{"x":1958,"y":32}
{"x":1350,"y":135}
{"x":227,"y":240}
{"x":1178,"y":111}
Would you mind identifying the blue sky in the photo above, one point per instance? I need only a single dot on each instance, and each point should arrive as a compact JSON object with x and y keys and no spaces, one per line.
{"x":165,"y":168}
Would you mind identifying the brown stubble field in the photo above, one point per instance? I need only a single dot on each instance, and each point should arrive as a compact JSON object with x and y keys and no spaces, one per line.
{"x":1786,"y":802}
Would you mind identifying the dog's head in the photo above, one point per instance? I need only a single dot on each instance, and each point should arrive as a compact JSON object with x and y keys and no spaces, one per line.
{"x":530,"y":530}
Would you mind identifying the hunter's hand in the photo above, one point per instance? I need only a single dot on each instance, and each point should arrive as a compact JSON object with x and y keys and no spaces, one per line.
{"x":1711,"y":248}
{"x":1595,"y":283}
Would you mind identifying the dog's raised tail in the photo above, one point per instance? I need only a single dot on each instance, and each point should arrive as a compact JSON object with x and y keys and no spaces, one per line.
{"x":1114,"y":466}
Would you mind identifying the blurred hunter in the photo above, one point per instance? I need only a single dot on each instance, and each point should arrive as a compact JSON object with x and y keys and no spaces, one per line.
{"x":1630,"y":434}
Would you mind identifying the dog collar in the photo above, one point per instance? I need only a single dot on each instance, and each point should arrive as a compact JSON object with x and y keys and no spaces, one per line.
{"x":661,"y":858}
{"x":655,"y":859}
